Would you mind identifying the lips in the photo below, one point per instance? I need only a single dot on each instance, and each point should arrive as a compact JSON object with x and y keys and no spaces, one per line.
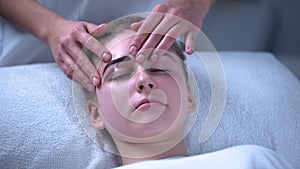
{"x":145,"y":104}
{"x":142,"y":103}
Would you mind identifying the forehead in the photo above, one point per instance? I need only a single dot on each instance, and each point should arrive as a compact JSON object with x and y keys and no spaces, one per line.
{"x":119,"y":45}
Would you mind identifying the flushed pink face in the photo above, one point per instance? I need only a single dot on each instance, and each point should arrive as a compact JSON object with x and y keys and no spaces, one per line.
{"x":142,"y":101}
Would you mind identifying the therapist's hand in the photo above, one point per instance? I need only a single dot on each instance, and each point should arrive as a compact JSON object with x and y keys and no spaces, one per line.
{"x":168,"y":21}
{"x":66,"y":40}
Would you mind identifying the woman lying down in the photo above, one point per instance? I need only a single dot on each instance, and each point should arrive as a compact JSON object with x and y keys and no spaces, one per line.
{"x":142,"y":108}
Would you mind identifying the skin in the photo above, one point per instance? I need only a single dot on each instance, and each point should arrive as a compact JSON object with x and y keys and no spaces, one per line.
{"x":66,"y":37}
{"x":168,"y":21}
{"x":154,"y":130}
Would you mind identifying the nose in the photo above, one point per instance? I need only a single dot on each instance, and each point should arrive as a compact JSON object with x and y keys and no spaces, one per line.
{"x":144,"y":82}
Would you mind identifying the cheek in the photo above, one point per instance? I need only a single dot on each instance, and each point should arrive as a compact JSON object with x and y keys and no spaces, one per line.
{"x":174,"y":90}
{"x":112,"y":96}
{"x":112,"y":103}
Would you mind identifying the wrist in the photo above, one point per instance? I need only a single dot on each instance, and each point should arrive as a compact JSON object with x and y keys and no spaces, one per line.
{"x":48,"y":27}
{"x":204,"y":5}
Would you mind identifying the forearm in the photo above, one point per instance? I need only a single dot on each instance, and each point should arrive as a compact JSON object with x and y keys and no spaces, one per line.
{"x":30,"y":15}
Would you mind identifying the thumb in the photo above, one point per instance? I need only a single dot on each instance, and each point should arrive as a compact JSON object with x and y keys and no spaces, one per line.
{"x":96,"y":30}
{"x":136,"y":26}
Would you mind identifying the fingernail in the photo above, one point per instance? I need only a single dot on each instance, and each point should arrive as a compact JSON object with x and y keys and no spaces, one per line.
{"x":154,"y":57}
{"x":90,"y":87}
{"x":105,"y":57}
{"x":132,"y":49}
{"x":140,"y":58}
{"x":189,"y":50}
{"x":95,"y":81}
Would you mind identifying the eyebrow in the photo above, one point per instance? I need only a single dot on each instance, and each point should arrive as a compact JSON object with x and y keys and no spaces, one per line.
{"x":172,"y":57}
{"x":121,"y":59}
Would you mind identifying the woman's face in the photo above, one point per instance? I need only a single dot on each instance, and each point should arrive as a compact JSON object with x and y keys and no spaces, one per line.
{"x":141,"y":101}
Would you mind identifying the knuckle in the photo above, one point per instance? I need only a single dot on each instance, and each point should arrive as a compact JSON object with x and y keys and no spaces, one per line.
{"x":161,"y":7}
{"x":144,"y":29}
{"x":176,"y":11}
{"x":66,"y":42}
{"x":192,"y":38}
{"x":89,"y":42}
{"x":156,"y":37}
{"x":83,"y":23}
{"x":74,"y":31}
{"x":80,"y":61}
{"x":70,"y":68}
{"x":137,"y":41}
{"x":59,"y":59}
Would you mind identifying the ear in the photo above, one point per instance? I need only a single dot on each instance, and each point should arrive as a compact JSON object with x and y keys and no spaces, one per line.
{"x":96,"y":116}
{"x":191,"y":103}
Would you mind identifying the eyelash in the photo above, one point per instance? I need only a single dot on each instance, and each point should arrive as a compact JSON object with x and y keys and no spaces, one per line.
{"x":155,"y":70}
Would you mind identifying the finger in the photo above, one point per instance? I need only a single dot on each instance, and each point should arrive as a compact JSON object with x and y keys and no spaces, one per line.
{"x":144,"y":55}
{"x":137,"y":42}
{"x":166,"y":43}
{"x":190,"y":42}
{"x":147,"y":27}
{"x":153,"y":53}
{"x":157,"y":35}
{"x":163,"y":47}
{"x":93,"y":45}
{"x":82,"y":79}
{"x":151,"y":22}
{"x":135,"y":26}
{"x":98,"y":30}
{"x":66,"y":63}
{"x":151,"y":42}
{"x":73,"y":72}
{"x":83,"y":62}
{"x":169,"y":39}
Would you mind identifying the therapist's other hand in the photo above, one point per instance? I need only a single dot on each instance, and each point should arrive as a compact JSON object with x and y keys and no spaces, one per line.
{"x":66,"y":40}
{"x":168,"y":21}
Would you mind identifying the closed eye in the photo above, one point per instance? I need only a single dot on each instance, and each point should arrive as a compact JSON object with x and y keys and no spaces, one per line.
{"x":120,"y":76}
{"x":120,"y":73}
{"x":156,"y":70}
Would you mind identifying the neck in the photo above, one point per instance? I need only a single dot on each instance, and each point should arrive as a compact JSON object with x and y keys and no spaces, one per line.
{"x":135,"y":152}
